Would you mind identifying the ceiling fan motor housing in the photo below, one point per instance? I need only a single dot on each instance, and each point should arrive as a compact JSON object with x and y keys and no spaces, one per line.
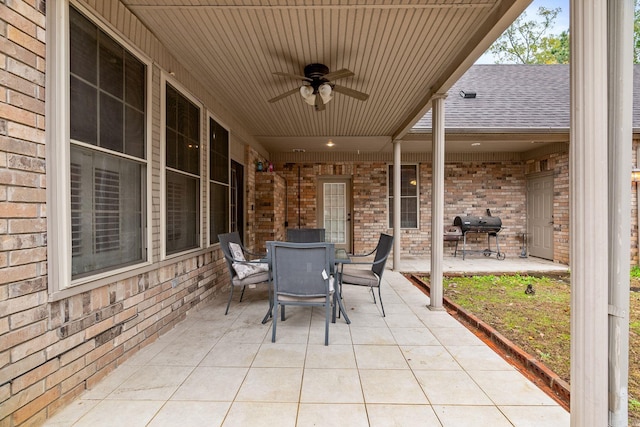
{"x":316,"y":73}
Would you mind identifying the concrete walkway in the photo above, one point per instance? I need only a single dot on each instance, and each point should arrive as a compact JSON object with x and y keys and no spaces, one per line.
{"x":477,"y":263}
{"x":412,"y":367}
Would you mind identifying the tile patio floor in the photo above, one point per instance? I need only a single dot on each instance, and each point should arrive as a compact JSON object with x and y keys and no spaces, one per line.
{"x":415,"y":367}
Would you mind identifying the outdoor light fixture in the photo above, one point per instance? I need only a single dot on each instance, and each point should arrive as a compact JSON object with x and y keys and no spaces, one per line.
{"x":467,"y":94}
{"x":330,"y":143}
{"x":635,"y":175}
{"x":325,"y":91}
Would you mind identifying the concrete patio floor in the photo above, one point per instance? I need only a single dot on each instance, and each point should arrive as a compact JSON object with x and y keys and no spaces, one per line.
{"x":412,"y":367}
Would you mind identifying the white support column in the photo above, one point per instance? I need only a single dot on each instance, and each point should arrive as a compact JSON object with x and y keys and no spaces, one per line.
{"x":437,"y":202}
{"x":620,"y":50}
{"x":397,"y":215}
{"x":589,"y":213}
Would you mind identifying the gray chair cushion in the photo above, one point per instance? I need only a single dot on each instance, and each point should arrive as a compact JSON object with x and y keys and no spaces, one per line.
{"x":355,"y":276}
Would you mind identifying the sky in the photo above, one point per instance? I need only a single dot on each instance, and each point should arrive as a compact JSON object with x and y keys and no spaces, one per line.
{"x":561,"y":22}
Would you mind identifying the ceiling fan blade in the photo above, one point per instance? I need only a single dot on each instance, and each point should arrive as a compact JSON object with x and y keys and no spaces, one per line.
{"x":293,"y":76}
{"x":284,"y":95}
{"x":319,"y":103}
{"x":351,"y":92}
{"x":339,"y":74}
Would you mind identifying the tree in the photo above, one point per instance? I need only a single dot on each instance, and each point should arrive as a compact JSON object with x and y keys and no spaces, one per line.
{"x":636,"y":34}
{"x":528,"y":41}
{"x":560,"y":49}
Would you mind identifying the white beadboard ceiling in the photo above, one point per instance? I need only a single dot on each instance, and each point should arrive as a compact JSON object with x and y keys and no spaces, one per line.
{"x":401,"y":51}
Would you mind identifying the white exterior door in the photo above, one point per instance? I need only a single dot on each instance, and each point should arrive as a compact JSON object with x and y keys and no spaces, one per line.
{"x":540,"y":216}
{"x":334,"y":214}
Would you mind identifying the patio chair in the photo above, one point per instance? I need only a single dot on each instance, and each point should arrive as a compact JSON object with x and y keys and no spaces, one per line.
{"x":305,"y":235}
{"x":353,"y":275}
{"x":302,"y":276}
{"x":242,"y":271}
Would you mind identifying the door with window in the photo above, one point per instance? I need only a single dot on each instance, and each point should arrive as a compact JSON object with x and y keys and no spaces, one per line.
{"x":540,"y":216}
{"x":334,"y":210}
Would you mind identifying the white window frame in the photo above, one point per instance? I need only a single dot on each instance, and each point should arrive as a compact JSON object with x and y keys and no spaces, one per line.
{"x":210,"y":117}
{"x":390,"y":206}
{"x":166,"y":78}
{"x":58,"y":148}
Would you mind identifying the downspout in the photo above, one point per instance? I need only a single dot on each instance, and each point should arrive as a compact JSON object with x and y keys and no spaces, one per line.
{"x":620,"y":101}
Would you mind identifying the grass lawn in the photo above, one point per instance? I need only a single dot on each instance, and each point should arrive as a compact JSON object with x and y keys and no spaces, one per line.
{"x":539,"y":322}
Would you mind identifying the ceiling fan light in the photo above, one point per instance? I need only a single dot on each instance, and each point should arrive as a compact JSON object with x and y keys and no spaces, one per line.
{"x":307,"y":93}
{"x":326,"y":92}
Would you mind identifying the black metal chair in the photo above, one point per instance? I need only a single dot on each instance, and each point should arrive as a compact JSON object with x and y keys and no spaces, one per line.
{"x":301,"y":276}
{"x":305,"y":235}
{"x":352,"y":275}
{"x":242,"y":271}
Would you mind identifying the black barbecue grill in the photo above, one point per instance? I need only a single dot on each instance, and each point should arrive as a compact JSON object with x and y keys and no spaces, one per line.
{"x":491,"y":225}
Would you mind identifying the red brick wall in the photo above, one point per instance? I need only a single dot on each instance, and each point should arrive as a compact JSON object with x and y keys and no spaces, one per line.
{"x":251,"y":160}
{"x":635,"y":192}
{"x":469,"y":189}
{"x":269,"y":202}
{"x":368,"y":192}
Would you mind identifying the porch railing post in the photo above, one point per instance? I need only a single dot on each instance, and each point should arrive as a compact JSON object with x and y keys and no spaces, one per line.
{"x":589,"y":212}
{"x":437,"y":202}
{"x":397,"y":216}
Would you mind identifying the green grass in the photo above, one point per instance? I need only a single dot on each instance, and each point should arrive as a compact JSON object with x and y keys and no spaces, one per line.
{"x":539,"y":323}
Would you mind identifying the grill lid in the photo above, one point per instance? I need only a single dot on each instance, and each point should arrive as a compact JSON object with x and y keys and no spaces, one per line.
{"x":484,"y":224}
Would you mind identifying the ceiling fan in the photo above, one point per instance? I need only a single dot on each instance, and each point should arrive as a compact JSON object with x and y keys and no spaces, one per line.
{"x":318,"y":87}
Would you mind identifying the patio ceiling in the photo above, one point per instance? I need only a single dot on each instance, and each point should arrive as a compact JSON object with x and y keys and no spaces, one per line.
{"x":401,"y":51}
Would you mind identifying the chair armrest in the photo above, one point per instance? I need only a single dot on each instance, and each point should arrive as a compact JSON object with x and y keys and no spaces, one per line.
{"x":245,"y":261}
{"x":367,"y":263}
{"x":247,"y":251}
{"x":363,"y":255}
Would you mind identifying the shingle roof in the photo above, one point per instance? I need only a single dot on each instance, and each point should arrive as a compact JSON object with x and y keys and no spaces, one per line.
{"x":513,"y":97}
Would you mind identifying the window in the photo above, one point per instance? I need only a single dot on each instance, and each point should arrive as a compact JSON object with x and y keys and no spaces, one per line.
{"x":218,"y":180}
{"x":107,"y":170}
{"x":335,"y":211}
{"x":408,"y":196}
{"x":182,"y":137}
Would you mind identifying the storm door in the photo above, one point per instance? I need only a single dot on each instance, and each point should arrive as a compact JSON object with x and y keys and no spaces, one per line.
{"x":334,"y":210}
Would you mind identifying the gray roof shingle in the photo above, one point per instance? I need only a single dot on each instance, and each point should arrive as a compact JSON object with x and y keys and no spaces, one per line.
{"x":513,"y":97}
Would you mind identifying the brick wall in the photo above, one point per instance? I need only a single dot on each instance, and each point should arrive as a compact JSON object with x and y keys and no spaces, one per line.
{"x":53,"y":350}
{"x":251,"y":159}
{"x":368,"y":192}
{"x":470,"y":189}
{"x":635,"y":192}
{"x":270,"y":207}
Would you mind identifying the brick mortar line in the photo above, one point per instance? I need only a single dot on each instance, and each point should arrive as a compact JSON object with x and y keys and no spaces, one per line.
{"x":560,"y":389}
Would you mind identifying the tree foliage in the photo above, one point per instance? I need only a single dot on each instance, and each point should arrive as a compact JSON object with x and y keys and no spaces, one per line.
{"x":527,"y":41}
{"x":636,"y":34}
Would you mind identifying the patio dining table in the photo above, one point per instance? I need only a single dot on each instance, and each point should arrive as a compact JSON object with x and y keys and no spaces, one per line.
{"x":341,"y":257}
